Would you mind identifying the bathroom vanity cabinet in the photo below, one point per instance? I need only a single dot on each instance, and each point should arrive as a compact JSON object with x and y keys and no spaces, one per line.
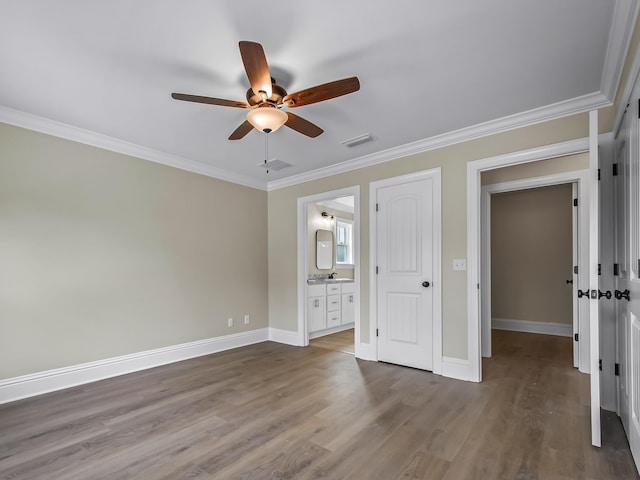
{"x":330,"y":307}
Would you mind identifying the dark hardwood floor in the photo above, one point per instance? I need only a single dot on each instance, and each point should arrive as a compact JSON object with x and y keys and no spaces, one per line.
{"x":271,"y":411}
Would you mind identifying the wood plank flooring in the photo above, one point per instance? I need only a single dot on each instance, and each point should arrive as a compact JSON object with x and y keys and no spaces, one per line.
{"x":338,"y":342}
{"x":272,"y":411}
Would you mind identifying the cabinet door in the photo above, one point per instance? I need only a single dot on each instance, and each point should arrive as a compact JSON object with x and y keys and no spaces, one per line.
{"x":316,"y":313}
{"x":348,"y":311}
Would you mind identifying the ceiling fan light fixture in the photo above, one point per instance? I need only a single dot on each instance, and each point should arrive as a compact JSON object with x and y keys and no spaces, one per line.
{"x":267,"y":118}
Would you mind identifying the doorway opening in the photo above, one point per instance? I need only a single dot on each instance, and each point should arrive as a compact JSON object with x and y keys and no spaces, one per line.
{"x":530,"y":263}
{"x":508,"y":179}
{"x":329,"y":269}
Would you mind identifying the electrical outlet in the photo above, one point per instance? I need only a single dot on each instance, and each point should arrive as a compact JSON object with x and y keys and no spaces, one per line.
{"x":230,"y":322}
{"x":246,"y":320}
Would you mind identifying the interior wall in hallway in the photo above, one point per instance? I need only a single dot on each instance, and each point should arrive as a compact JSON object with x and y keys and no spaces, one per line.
{"x":531,"y":254}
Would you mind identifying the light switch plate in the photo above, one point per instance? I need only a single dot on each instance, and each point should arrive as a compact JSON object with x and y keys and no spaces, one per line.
{"x":459,"y":264}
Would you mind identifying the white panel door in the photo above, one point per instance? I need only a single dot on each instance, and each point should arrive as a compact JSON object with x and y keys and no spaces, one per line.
{"x":627,"y":254}
{"x":621,"y":254}
{"x":405,"y":259}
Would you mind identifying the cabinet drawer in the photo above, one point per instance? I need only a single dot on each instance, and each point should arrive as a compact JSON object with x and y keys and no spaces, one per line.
{"x":333,"y":303}
{"x":333,"y":289}
{"x":316,"y":290}
{"x":348,"y":287}
{"x":333,"y":319}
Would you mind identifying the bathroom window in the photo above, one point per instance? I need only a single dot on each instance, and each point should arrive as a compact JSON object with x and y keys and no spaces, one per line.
{"x":344,"y":242}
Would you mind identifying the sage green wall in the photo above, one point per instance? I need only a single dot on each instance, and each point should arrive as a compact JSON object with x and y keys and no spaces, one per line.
{"x":102,"y":254}
{"x":532,"y":254}
{"x":453,"y":161}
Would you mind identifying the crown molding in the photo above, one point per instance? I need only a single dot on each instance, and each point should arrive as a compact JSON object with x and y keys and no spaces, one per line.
{"x":624,"y":19}
{"x":69,"y":132}
{"x":574,"y":106}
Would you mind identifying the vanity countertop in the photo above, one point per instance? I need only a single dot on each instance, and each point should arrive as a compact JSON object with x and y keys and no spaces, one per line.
{"x":320,"y":281}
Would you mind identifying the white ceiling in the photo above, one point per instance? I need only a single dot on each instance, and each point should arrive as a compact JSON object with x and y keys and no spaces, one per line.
{"x":425,"y":68}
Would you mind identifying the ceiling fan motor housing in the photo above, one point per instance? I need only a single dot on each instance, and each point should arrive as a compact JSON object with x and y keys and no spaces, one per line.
{"x":276,"y":97}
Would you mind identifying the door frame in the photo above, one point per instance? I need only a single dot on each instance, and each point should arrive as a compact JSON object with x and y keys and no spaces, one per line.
{"x":474,"y":234}
{"x":303,"y":259}
{"x":436,"y":175}
{"x":578,"y":179}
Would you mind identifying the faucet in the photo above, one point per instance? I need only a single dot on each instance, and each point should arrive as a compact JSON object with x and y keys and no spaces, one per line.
{"x":333,"y":274}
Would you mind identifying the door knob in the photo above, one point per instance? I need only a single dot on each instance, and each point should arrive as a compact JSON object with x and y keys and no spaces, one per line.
{"x":606,"y":294}
{"x":425,"y":284}
{"x":569,"y":281}
{"x":624,"y":294}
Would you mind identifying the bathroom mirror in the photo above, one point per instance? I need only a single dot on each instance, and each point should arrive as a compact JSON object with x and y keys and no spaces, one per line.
{"x":324,"y":249}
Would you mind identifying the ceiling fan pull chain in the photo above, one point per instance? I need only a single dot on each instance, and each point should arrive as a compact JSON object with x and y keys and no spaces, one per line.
{"x":266,"y":148}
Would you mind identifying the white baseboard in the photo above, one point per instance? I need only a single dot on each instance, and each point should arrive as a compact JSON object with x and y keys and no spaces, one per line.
{"x":545,"y":328}
{"x":287,"y":337}
{"x":16,"y":388}
{"x":457,"y":368}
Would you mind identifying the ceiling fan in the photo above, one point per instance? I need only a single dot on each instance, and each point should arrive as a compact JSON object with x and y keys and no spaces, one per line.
{"x":265,"y":98}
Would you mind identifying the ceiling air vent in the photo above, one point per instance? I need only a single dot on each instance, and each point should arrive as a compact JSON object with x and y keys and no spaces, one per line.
{"x":359,"y":140}
{"x":274,"y":164}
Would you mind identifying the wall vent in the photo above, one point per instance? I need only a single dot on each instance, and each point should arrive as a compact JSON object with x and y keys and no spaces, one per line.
{"x":359,"y":140}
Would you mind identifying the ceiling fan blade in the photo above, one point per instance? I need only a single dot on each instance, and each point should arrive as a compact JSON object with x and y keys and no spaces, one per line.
{"x":303,"y":126}
{"x":322,"y":92}
{"x":255,"y":64}
{"x":209,"y":100}
{"x":244,"y":128}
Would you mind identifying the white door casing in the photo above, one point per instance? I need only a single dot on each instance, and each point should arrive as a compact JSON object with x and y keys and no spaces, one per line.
{"x":575,"y":252}
{"x":474,"y":235}
{"x":594,"y":258}
{"x":405,"y":248}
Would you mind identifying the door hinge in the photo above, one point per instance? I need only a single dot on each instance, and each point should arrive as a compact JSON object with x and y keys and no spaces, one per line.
{"x":616,"y":369}
{"x":600,"y":364}
{"x":575,"y":269}
{"x":377,"y":332}
{"x":376,"y":270}
{"x":616,"y":269}
{"x":575,"y":202}
{"x":598,"y":174}
{"x":615,"y":169}
{"x":639,"y":108}
{"x":575,"y":337}
{"x":599,"y":269}
{"x":377,"y":207}
{"x":478,"y":286}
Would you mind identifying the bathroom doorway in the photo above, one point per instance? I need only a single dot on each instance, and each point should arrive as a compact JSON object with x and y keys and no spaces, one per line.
{"x":328,"y":270}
